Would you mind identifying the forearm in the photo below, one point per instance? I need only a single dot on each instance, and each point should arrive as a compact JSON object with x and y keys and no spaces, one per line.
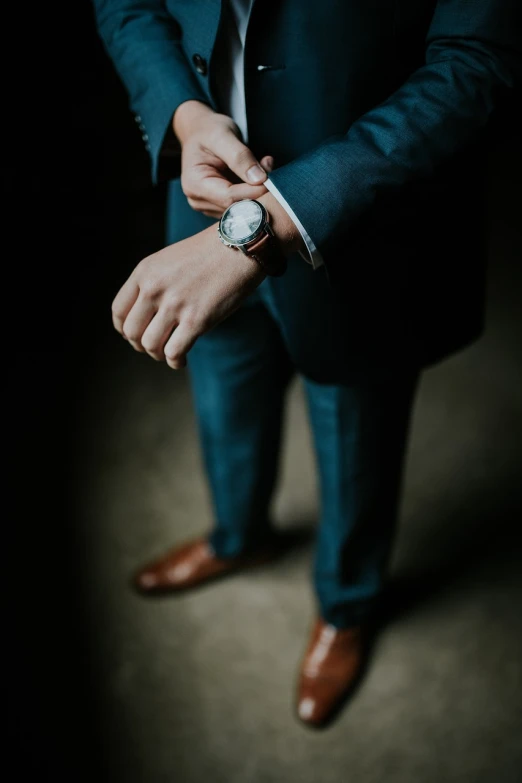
{"x":282,"y":225}
{"x":144,"y":43}
{"x":470,"y":63}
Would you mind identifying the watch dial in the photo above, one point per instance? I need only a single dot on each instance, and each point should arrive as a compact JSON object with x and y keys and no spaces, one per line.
{"x":242,"y":220}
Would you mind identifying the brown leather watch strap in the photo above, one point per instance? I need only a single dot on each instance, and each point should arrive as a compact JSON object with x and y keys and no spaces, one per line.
{"x":268,"y":254}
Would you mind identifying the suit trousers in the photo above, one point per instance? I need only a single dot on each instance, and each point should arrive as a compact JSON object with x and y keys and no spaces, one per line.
{"x":239,"y":373}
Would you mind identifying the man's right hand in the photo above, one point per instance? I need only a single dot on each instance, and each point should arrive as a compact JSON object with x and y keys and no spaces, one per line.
{"x":216,"y":167}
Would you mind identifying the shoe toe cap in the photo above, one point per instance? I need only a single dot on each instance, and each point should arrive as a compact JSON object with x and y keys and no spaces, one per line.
{"x":146,"y":580}
{"x":307,"y":708}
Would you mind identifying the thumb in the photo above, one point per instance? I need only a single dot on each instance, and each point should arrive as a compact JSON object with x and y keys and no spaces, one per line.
{"x":240,"y":159}
{"x":267,"y":163}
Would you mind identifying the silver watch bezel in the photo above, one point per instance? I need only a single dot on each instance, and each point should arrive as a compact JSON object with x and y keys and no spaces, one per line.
{"x":248,"y":239}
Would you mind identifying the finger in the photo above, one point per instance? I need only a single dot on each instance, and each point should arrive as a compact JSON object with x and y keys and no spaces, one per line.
{"x":122,"y":303}
{"x":219,"y":193}
{"x":157,"y":334}
{"x":267,"y":163}
{"x":210,"y":210}
{"x":137,"y":321}
{"x":206,"y":207}
{"x":239,"y":158}
{"x":238,"y":192}
{"x":182,"y":340}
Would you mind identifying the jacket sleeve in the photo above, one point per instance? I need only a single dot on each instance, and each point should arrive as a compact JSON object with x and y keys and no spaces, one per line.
{"x":144,"y":43}
{"x":473,"y":58}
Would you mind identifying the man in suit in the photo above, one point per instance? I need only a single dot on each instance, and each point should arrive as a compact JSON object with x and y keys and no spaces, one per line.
{"x":340,"y":145}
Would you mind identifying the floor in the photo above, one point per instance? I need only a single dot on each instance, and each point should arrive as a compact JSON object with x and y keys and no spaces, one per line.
{"x":104,"y":685}
{"x":201,"y":686}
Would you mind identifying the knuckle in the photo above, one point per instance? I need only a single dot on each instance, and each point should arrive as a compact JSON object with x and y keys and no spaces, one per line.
{"x":153,"y":348}
{"x":227,"y":200}
{"x":173,"y":353}
{"x":141,"y":268}
{"x":187,"y":187}
{"x":171,"y":304}
{"x":243,"y":157}
{"x":195,"y":322}
{"x":149,"y":344}
{"x":131,"y":334}
{"x":149,"y":289}
{"x":225,"y":122}
{"x":191,"y":320}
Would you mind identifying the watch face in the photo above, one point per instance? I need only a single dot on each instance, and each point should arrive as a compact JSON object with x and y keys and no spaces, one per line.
{"x":241,"y":221}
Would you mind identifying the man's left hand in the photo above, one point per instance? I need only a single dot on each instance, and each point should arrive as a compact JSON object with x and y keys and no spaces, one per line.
{"x":179,"y":293}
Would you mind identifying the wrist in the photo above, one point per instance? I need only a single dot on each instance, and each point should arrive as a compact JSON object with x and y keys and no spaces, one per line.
{"x":286,"y":232}
{"x":250,"y":266}
{"x":187,"y":115}
{"x":248,"y":227}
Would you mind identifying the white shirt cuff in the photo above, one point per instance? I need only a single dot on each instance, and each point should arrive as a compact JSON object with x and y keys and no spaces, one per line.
{"x":313,"y":256}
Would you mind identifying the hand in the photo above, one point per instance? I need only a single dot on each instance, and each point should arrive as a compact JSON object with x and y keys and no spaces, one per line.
{"x":180,"y":292}
{"x":216,"y":167}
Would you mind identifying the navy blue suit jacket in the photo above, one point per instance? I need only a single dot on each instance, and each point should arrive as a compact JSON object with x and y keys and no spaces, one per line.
{"x":376,"y":112}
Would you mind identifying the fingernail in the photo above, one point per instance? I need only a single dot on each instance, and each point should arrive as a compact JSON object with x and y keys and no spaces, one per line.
{"x":255,"y":174}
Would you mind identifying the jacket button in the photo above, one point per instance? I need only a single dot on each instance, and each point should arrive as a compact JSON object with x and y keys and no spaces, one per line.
{"x":200,"y":63}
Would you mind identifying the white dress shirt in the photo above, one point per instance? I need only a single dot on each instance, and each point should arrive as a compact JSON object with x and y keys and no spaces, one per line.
{"x":234,"y":104}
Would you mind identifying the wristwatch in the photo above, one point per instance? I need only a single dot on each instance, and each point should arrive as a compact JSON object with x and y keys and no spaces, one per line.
{"x":245,"y":226}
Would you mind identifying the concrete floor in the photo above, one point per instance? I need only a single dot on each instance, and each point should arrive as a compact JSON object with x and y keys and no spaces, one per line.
{"x":200,"y":687}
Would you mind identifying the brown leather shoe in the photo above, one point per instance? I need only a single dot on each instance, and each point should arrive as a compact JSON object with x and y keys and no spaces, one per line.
{"x":330,"y":670}
{"x":192,"y":564}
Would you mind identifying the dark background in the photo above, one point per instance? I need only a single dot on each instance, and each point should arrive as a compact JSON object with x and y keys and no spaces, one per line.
{"x":77,"y":175}
{"x":81,"y":212}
